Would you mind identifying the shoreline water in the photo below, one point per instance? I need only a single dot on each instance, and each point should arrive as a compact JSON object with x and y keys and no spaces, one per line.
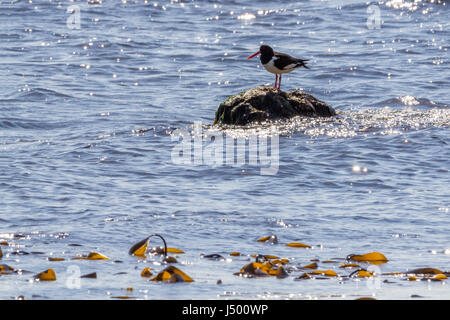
{"x":88,"y":127}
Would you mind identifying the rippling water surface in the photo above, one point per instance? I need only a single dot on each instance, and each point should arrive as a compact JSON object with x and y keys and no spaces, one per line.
{"x":89,"y":118}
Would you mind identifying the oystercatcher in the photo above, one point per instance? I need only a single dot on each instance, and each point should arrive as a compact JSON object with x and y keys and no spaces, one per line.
{"x":278,"y":63}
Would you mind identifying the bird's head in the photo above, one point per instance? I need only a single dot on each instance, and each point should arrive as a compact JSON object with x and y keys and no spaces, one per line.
{"x":264,"y":50}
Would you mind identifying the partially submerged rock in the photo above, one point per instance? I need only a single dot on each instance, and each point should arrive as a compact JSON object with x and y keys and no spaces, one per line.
{"x":265,"y":103}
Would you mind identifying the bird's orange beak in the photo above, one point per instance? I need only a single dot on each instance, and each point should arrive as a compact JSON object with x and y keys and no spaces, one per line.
{"x":255,"y":54}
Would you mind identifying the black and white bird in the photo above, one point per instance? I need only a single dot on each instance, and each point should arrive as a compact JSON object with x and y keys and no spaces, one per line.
{"x":278,"y":63}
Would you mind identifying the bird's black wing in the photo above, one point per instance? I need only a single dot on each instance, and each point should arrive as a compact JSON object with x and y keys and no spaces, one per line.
{"x":285,"y":62}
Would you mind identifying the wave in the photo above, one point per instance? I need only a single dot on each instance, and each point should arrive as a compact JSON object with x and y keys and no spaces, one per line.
{"x":33,"y":94}
{"x":410,"y":101}
{"x":413,"y":5}
{"x":18,"y":123}
{"x":346,"y":124}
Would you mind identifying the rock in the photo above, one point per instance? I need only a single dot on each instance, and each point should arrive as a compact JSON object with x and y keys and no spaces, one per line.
{"x":265,"y":103}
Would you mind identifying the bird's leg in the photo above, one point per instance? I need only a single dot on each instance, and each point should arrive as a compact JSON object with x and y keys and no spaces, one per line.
{"x":276,"y":79}
{"x":279,"y":82}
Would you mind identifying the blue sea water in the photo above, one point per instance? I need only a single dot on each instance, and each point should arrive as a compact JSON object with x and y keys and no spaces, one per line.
{"x":91,"y":111}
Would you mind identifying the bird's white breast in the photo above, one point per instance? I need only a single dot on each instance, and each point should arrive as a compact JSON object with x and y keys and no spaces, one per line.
{"x":270,"y":66}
